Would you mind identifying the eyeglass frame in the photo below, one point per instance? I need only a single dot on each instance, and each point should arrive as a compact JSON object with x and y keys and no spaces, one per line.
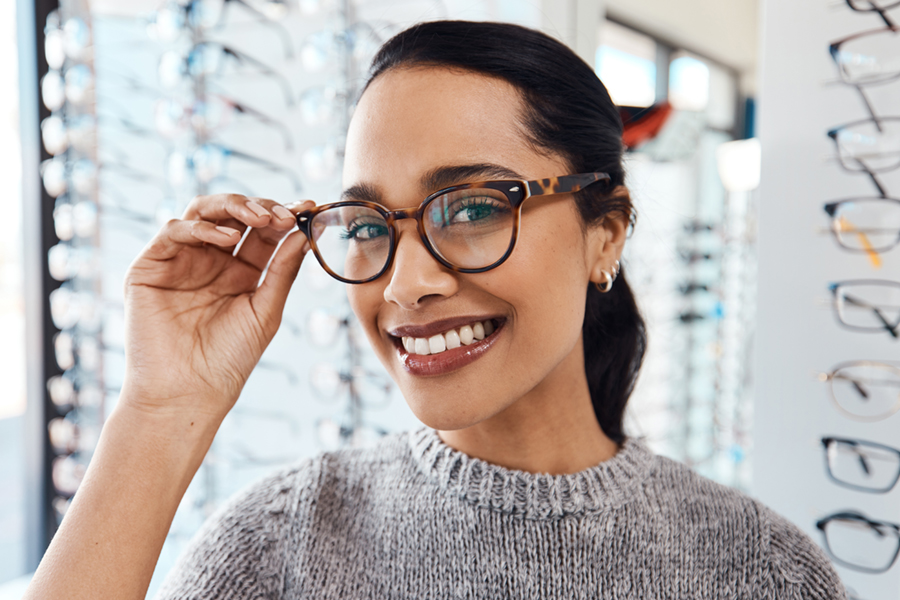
{"x":515,"y":190}
{"x":831,"y":209}
{"x":856,"y":516}
{"x":863,"y":168}
{"x":830,"y":377}
{"x":881,"y":10}
{"x":892,"y":329}
{"x":826,"y":444}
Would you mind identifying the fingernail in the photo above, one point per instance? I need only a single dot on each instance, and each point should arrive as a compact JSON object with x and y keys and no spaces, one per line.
{"x":282,"y":213}
{"x":300,"y":203}
{"x":259,"y":210}
{"x":227,"y":230}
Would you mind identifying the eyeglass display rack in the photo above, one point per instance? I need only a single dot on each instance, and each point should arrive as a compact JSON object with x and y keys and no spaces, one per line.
{"x":692,"y":401}
{"x":265,"y":118}
{"x":801,"y":345}
{"x":75,"y":406}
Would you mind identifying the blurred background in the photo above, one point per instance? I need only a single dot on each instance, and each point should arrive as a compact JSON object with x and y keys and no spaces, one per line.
{"x":116,"y":113}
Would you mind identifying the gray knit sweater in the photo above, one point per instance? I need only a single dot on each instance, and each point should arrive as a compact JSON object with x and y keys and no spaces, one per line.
{"x":414,"y":518}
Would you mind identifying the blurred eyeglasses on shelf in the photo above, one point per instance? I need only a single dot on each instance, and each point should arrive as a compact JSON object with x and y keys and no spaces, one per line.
{"x":325,"y":47}
{"x":860,"y":543}
{"x":877,"y":6}
{"x":81,"y":176}
{"x":370,"y":388}
{"x":207,"y":59}
{"x":209,"y":115}
{"x":870,"y":146}
{"x":209,"y":162}
{"x":865,"y":390}
{"x":868,"y":305}
{"x":72,"y":40}
{"x":332,"y":434}
{"x":75,"y":86}
{"x":868,"y":58}
{"x":175,"y":18}
{"x":861,"y":465}
{"x":865,"y":224}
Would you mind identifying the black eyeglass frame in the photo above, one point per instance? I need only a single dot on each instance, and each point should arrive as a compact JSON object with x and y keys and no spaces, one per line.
{"x":826,"y":444}
{"x":516,"y":192}
{"x":855,"y":516}
{"x":859,"y":166}
{"x":831,"y":208}
{"x":873,"y":6}
{"x":893,"y":329}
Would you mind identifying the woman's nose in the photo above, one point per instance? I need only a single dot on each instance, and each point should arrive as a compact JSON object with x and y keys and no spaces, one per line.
{"x":416,"y":276}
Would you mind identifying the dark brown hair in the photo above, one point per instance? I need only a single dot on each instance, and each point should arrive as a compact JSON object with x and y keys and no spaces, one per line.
{"x":568,"y":112}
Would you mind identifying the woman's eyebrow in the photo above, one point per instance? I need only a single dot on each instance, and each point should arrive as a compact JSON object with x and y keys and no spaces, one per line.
{"x":436,"y":179}
{"x":442,"y":177}
{"x":362,"y":191}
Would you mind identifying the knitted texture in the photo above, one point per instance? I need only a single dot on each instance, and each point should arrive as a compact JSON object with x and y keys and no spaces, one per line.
{"x":414,"y":518}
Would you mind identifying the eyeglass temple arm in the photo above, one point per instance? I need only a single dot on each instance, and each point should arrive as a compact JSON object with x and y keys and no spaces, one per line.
{"x":869,"y":107}
{"x":266,"y":165}
{"x":881,"y":191}
{"x":265,"y":70}
{"x":883,"y":14}
{"x":281,"y":29}
{"x":857,"y":302}
{"x":564,"y":185}
{"x":875,"y":8}
{"x":266,"y":120}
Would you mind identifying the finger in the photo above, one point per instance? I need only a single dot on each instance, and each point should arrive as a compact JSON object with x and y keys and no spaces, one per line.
{"x":282,"y":218}
{"x":261,"y":242}
{"x":298,"y":207}
{"x":270,"y":298}
{"x":259,"y":245}
{"x":219,"y":207}
{"x":177,"y":234}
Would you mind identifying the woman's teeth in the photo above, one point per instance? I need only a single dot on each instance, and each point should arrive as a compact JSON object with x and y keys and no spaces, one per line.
{"x":465,"y":335}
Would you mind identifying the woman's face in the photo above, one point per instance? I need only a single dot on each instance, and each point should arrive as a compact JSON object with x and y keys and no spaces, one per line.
{"x":410,"y":126}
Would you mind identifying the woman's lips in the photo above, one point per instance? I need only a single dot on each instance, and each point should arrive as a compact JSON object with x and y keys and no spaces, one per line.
{"x":448,"y":360}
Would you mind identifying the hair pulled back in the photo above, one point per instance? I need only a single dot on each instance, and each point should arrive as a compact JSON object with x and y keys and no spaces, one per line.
{"x":568,"y":112}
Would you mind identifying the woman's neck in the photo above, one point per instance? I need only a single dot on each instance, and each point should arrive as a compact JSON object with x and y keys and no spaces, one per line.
{"x":552,"y":429}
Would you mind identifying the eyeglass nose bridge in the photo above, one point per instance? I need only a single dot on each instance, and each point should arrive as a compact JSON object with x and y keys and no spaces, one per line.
{"x":416,"y":214}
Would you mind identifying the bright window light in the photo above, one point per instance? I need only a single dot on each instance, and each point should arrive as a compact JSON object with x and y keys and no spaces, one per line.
{"x":626,"y":64}
{"x":688,"y":83}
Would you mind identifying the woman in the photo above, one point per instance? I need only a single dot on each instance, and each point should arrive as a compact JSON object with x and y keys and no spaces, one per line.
{"x":523,"y":484}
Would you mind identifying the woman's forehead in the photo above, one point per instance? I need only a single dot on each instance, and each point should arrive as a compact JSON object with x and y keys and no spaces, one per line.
{"x":411,"y":121}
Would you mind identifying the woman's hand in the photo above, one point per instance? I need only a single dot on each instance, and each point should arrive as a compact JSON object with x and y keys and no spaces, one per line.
{"x":197,"y":320}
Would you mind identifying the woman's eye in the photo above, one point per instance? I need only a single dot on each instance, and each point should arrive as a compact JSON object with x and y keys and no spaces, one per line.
{"x":364,"y":231}
{"x":473,"y":210}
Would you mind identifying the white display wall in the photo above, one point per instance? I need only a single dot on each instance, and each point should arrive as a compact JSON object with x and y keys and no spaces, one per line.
{"x":798,"y":336}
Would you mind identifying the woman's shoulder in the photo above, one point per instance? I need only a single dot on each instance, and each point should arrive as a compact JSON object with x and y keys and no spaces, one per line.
{"x":706,"y":510}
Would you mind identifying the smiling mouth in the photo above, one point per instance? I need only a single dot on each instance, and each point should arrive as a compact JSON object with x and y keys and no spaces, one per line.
{"x":450,"y":339}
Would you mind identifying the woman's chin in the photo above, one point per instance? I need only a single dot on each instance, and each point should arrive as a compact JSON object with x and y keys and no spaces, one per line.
{"x":437,"y":415}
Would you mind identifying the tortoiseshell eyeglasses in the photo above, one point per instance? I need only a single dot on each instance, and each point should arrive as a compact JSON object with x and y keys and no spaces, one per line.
{"x":468,"y":228}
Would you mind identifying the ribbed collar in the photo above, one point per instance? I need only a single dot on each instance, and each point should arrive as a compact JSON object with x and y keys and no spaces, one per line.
{"x":535,"y":496}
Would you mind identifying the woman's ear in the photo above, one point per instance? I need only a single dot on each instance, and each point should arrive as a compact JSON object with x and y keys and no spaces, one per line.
{"x":606,"y":238}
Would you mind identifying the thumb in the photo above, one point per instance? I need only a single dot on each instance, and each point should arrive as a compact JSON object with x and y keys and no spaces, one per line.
{"x":271,"y":296}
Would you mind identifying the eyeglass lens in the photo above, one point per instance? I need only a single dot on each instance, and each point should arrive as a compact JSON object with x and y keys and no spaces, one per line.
{"x":469,"y":229}
{"x":872,"y":146}
{"x":867,"y":224}
{"x":867,"y":390}
{"x":862,"y":465}
{"x":860,"y":544}
{"x":869,"y":59}
{"x":868,"y":306}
